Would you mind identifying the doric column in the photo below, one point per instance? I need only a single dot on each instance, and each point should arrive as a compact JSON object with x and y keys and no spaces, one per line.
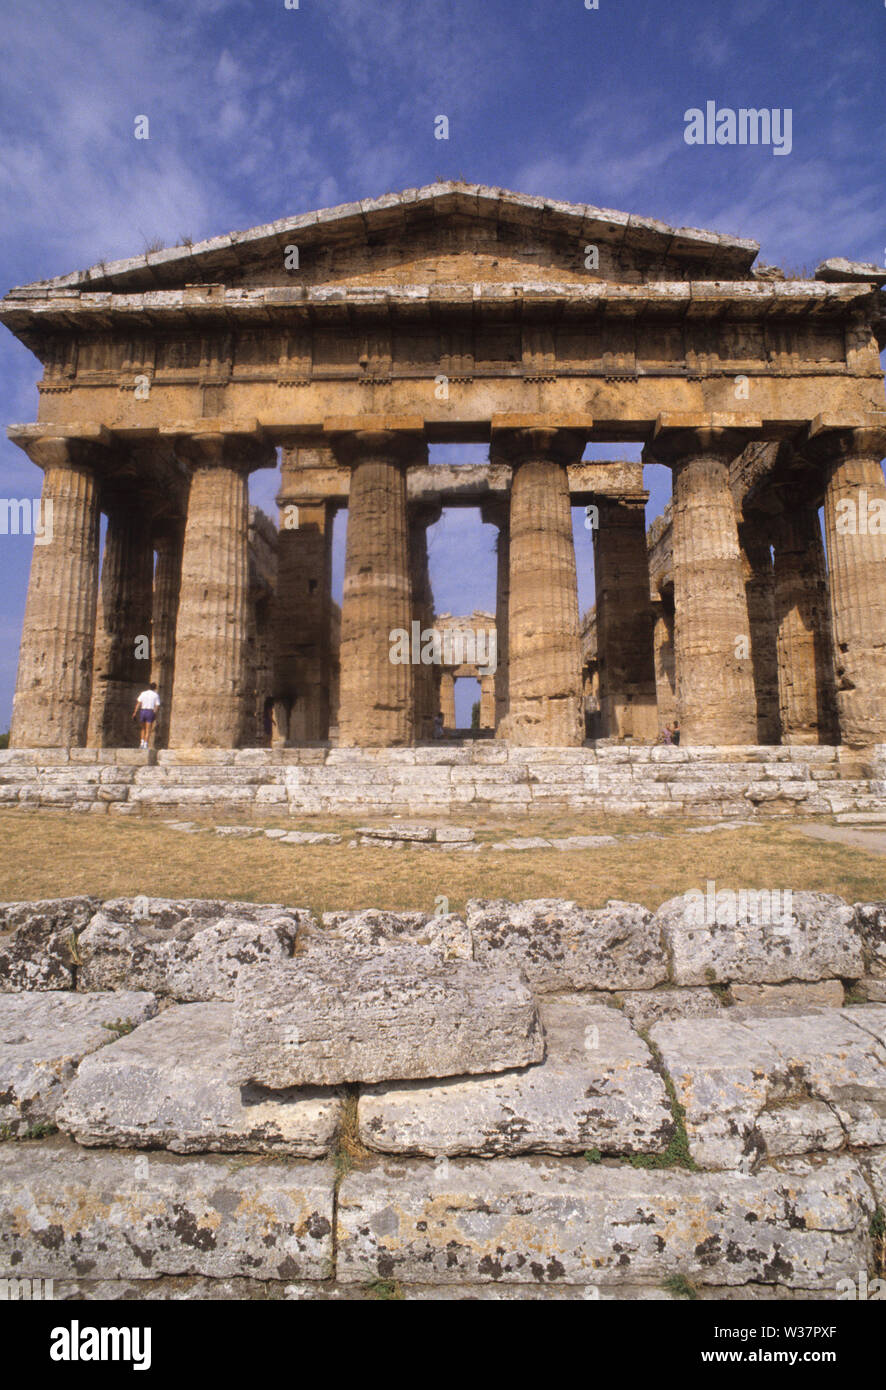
{"x":498,"y":513}
{"x":447,"y":699}
{"x":625,"y":651}
{"x":855,"y":532}
{"x":487,"y":702}
{"x":757,"y":571}
{"x":122,"y":652}
{"x":806,"y":696}
{"x":544,"y":653}
{"x":209,"y":705}
{"x":51,"y":705}
{"x":168,"y":542}
{"x":716,"y":701}
{"x":376,"y":699}
{"x":663,"y":649}
{"x":302,"y":617}
{"x":421,"y":516}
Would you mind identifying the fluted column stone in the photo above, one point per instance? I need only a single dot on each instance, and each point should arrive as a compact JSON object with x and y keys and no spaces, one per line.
{"x":759,"y":587}
{"x":855,"y":532}
{"x":663,"y":651}
{"x":425,"y":686}
{"x":167,"y":584}
{"x":498,"y":513}
{"x":806,"y":694}
{"x":376,"y":706}
{"x":447,"y":699}
{"x":625,"y":651}
{"x":716,"y":700}
{"x":544,"y":654}
{"x":210,"y":705}
{"x":302,"y":615}
{"x":121,"y":668}
{"x":53,"y":686}
{"x":487,"y":702}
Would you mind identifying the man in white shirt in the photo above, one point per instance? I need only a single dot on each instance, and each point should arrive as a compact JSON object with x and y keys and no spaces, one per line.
{"x":145,"y":712}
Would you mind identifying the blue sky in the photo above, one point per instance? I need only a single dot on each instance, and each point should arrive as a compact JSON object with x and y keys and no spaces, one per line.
{"x":258,"y":111}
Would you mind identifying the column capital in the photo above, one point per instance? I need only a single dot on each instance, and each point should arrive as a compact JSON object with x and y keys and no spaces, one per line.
{"x":518,"y":438}
{"x":54,"y":446}
{"x":217,"y":447}
{"x":677,"y":435}
{"x":403,"y":445}
{"x":830,"y":438}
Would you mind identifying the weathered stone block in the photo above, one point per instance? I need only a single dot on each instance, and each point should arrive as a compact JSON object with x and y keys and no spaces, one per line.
{"x":68,"y":1212}
{"x":871,"y":922}
{"x":189,"y":950}
{"x":397,"y":832}
{"x":595,"y":1089}
{"x":444,"y":933}
{"x":800,"y":1225}
{"x":43,"y":1038}
{"x":349,"y":1014}
{"x":751,"y":944}
{"x":796,"y":998}
{"x":727,"y":1074}
{"x":38,"y":942}
{"x":166,"y":1085}
{"x":308,"y":837}
{"x":561,"y":947}
{"x":644,"y":1007}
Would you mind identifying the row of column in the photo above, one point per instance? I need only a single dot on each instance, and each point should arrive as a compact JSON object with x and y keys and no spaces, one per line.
{"x":726,"y":607}
{"x":80,"y":659}
{"x":73,"y":679}
{"x":537,"y":689}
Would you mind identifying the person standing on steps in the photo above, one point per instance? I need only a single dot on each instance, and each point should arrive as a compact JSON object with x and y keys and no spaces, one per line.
{"x":145,"y":712}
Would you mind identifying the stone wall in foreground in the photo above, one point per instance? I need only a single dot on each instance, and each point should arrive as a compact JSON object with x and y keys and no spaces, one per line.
{"x":709,"y":1109}
{"x":488,"y":777}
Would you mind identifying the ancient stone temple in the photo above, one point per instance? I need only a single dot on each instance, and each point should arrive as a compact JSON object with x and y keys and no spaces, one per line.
{"x":351,"y":340}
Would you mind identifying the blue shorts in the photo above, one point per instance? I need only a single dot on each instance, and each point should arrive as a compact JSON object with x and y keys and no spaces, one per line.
{"x":147,"y":716}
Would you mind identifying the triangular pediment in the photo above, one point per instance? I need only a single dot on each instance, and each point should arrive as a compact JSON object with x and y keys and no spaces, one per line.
{"x":443,"y":234}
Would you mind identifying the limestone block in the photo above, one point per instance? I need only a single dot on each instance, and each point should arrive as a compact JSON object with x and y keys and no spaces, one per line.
{"x":727,"y":1074}
{"x":595,"y":1089}
{"x":166,"y":1086}
{"x":817,"y":942}
{"x":796,"y":998}
{"x":397,"y":832}
{"x":871,"y":922}
{"x":37,"y":942}
{"x":308,"y":837}
{"x":561,"y":947}
{"x":644,"y":1007}
{"x":453,"y":835}
{"x":65,"y":1210}
{"x":345,"y":1013}
{"x":583,"y":841}
{"x":874,"y":1165}
{"x":43,"y":1037}
{"x":444,"y":933}
{"x":186,"y":950}
{"x":542,"y":1221}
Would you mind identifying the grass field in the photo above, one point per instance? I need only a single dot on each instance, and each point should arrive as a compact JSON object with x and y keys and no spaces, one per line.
{"x":53,"y":854}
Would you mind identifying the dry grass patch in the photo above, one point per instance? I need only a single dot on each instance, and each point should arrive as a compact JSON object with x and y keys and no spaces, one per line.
{"x":54,"y":854}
